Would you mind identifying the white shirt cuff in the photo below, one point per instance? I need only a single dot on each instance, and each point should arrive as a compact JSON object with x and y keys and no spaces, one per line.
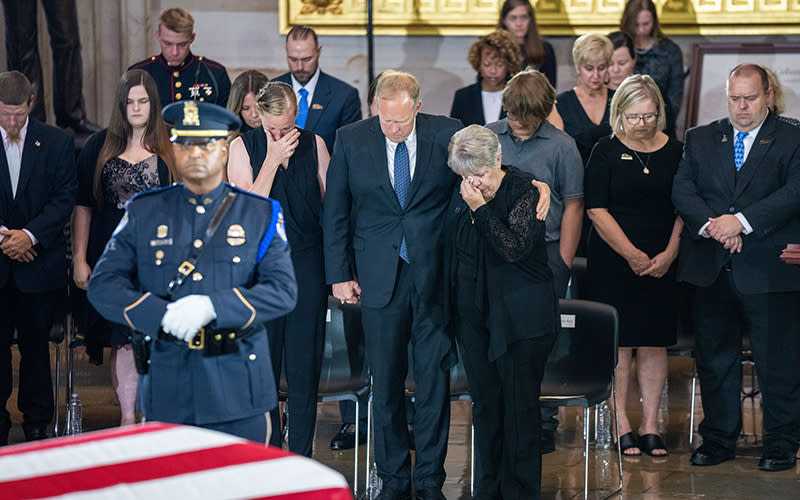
{"x":34,"y":241}
{"x":747,"y":227}
{"x":702,"y":232}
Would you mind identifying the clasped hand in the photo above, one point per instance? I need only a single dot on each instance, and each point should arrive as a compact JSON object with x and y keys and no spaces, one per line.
{"x":187,"y":315}
{"x":726,"y":229}
{"x":17,"y":245}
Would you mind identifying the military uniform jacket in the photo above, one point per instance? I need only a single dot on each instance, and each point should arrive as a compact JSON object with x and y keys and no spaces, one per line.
{"x":196,"y":78}
{"x":247,"y":272}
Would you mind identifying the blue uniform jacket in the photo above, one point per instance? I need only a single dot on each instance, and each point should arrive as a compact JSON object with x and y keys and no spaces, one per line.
{"x":246,"y":271}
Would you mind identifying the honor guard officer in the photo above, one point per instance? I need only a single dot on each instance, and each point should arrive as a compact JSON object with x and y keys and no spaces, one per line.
{"x":196,"y":269}
{"x":179,"y":74}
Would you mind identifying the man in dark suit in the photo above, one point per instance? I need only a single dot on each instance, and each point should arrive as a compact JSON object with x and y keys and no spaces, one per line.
{"x":737,"y":191}
{"x":393,"y":168}
{"x":37,"y":193}
{"x":324,"y":103}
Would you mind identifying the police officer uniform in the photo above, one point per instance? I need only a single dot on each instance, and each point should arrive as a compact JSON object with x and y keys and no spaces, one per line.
{"x":196,"y":78}
{"x":245,"y":270}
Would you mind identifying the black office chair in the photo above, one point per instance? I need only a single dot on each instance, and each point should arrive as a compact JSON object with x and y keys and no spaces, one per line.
{"x":340,"y":377}
{"x":582,"y":365}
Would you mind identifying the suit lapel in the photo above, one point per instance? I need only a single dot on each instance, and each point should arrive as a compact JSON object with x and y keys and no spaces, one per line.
{"x":761,"y":144}
{"x":30,"y":156}
{"x":322,"y":97}
{"x":724,"y":141}
{"x":6,"y":195}
{"x":377,"y":153}
{"x":424,"y":150}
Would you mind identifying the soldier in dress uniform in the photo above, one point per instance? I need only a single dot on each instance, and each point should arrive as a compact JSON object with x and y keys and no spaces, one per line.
{"x":179,"y":74}
{"x":197,"y":268}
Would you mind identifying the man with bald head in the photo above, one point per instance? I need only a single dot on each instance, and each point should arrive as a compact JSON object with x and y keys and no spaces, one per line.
{"x":738,"y":191}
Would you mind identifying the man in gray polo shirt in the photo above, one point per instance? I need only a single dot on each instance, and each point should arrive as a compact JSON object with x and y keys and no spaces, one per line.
{"x":532,"y":144}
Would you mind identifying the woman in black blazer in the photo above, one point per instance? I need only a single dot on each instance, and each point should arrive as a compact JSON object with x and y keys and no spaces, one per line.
{"x":496,"y":58}
{"x":500,"y":296}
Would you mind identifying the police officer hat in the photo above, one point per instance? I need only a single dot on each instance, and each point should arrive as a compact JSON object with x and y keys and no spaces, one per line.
{"x":196,"y":122}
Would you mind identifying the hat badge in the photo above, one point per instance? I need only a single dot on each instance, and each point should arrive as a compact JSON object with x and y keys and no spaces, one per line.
{"x":191,"y":115}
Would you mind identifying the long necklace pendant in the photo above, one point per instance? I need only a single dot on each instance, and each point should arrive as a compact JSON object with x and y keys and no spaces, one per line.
{"x":646,"y":170}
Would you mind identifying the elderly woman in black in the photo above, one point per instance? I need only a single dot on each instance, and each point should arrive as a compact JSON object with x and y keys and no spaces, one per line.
{"x":500,"y":292}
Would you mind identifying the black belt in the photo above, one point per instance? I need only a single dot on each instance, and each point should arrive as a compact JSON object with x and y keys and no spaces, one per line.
{"x":211,"y":342}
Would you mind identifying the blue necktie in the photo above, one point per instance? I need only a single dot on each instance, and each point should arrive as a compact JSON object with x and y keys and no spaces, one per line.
{"x":738,"y":150}
{"x":302,"y":109}
{"x":402,"y":180}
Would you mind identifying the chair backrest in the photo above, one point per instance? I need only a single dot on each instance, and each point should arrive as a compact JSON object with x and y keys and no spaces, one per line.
{"x":582,"y":363}
{"x":343,"y":365}
{"x":343,"y":369}
{"x":577,"y":284}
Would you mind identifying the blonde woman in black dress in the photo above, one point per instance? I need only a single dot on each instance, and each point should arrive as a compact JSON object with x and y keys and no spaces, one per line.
{"x":633,"y":245}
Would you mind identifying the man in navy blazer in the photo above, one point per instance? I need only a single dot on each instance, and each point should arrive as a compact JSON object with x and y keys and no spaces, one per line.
{"x":738,"y":191}
{"x":37,"y":193}
{"x":330,"y":103}
{"x":393,"y":169}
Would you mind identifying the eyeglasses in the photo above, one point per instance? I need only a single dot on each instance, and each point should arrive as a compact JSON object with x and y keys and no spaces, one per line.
{"x":646,"y":118}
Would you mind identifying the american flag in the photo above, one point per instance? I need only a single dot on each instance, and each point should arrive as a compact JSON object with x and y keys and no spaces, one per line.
{"x":157,"y":461}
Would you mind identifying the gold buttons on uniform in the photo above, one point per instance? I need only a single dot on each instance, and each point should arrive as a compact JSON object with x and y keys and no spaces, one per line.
{"x":237,"y":259}
{"x":207,"y":201}
{"x":176,"y":74}
{"x":197,"y":277}
{"x":202,"y":99}
{"x":178,"y":96}
{"x":178,"y":85}
{"x":158,"y":262}
{"x":232,"y":335}
{"x":252,"y":357}
{"x":200,"y":209}
{"x":159,"y":254}
{"x":218,"y":337}
{"x":198,"y":243}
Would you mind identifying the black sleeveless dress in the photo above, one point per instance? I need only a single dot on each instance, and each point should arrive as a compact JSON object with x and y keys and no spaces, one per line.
{"x":298,"y":337}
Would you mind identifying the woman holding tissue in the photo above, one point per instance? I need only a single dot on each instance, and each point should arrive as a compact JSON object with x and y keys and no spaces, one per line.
{"x":499,"y":292}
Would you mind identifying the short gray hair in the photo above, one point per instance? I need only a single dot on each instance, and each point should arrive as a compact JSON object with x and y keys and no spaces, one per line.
{"x":472,"y":149}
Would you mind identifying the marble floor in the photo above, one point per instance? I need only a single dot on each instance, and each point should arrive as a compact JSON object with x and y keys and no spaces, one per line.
{"x":645,"y":478}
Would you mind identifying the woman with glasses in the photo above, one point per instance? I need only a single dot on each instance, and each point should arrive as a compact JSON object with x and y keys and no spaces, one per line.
{"x":633,"y":245}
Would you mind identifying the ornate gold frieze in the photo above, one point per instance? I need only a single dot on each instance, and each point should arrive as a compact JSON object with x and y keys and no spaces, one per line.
{"x":555,"y":17}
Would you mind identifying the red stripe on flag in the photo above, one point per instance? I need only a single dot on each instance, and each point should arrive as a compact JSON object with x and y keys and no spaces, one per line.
{"x":85,"y":438}
{"x":323,"y":494}
{"x":136,"y":471}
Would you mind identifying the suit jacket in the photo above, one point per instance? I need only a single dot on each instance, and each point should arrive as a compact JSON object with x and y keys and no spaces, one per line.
{"x":43,"y":205}
{"x":335,"y":104}
{"x":468,"y":106}
{"x":358,"y":176}
{"x":766,"y":191}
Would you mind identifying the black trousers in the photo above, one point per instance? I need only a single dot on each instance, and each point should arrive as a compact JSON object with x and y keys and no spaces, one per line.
{"x":22,"y":52}
{"x":505,"y":410}
{"x":32,"y":316}
{"x":408,"y":318}
{"x":722,"y":314}
{"x":298,"y":339}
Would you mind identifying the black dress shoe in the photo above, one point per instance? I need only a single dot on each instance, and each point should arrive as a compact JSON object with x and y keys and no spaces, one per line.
{"x":388,"y":493}
{"x":34,"y":432}
{"x":774,"y":460}
{"x":709,"y":454}
{"x":346,"y":440}
{"x":430,"y":494}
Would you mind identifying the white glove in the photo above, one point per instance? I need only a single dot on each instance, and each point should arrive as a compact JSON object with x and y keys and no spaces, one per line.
{"x":187,"y":315}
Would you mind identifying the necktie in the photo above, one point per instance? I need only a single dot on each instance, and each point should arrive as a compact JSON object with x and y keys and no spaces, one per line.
{"x":302,"y":109}
{"x":12,"y":155}
{"x":402,"y":180}
{"x":738,"y":149}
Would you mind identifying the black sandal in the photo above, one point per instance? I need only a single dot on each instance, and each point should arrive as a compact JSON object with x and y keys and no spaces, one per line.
{"x":648,"y":443}
{"x":628,"y":441}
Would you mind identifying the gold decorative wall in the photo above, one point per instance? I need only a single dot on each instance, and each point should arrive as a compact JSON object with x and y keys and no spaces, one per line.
{"x":555,"y":17}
